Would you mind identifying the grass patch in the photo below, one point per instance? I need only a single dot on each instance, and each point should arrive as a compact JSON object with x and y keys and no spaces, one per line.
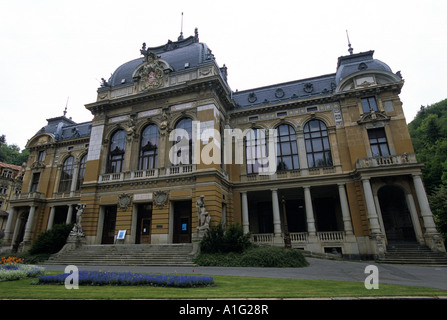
{"x":232,"y":287}
{"x":278,"y":257}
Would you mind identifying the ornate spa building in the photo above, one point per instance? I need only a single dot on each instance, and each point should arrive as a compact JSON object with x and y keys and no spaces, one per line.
{"x":326,"y":160}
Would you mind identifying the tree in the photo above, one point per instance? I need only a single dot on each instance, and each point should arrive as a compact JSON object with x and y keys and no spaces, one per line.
{"x":438,"y":203}
{"x":11,"y":153}
{"x":428,"y":132}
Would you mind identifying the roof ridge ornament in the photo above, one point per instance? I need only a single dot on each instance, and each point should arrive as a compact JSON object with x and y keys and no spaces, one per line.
{"x":181,"y":30}
{"x":149,"y":56}
{"x":351,"y":50}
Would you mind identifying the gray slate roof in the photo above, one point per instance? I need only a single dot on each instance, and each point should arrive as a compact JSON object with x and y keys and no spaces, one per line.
{"x":322,"y":85}
{"x":300,"y":89}
{"x":176,"y":54}
{"x":63,"y":128}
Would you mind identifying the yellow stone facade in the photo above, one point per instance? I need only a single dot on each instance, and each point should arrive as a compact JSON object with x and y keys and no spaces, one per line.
{"x":345,"y":176}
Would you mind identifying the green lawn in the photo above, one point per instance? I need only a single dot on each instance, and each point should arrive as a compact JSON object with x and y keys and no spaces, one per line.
{"x":226,"y":287}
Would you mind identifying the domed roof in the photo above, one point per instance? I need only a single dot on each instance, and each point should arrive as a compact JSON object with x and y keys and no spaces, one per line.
{"x":179,"y":55}
{"x":358,"y":62}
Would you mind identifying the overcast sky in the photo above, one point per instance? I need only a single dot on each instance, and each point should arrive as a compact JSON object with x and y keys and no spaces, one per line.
{"x":54,"y":51}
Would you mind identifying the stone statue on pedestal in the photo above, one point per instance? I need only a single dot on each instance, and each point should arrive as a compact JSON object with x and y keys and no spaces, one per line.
{"x":77,"y":228}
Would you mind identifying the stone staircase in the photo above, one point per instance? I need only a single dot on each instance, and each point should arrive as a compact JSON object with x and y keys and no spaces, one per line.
{"x":128,"y":255}
{"x":415,"y":254}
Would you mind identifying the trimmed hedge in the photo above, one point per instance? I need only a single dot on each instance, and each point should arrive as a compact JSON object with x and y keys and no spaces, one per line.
{"x":278,"y":257}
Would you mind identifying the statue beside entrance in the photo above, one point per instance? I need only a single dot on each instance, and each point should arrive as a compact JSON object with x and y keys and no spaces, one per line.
{"x":203,"y":219}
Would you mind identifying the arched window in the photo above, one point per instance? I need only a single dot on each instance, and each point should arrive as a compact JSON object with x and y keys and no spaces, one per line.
{"x":117,"y":151}
{"x":317,"y":144}
{"x":149,"y":148}
{"x":256,"y":151}
{"x":66,"y":175}
{"x":286,"y":148}
{"x":81,"y":172}
{"x":183,"y":155}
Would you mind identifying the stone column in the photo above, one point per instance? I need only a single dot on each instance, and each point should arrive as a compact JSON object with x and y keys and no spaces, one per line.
{"x":69,"y":214}
{"x":345,"y":209}
{"x":245,"y":222}
{"x":302,"y":155}
{"x":74,"y":180}
{"x":276,"y":215}
{"x":51,"y":218}
{"x":100,"y":226}
{"x":373,"y":218}
{"x":9,"y":229}
{"x":414,"y":216}
{"x":426,"y":213}
{"x":29,"y":225}
{"x":309,"y":211}
{"x":376,"y":233}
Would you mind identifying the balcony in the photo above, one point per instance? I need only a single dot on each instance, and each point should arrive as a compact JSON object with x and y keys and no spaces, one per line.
{"x":381,"y":161}
{"x":29,"y":196}
{"x":145,"y":174}
{"x":301,"y":237}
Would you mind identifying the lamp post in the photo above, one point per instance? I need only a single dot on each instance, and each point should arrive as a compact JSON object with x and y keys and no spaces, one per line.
{"x":287,"y":243}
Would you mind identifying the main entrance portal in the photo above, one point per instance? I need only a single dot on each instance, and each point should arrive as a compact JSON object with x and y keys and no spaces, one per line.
{"x":395,"y":214}
{"x":108,"y":232}
{"x":182,"y":222}
{"x":144,"y":223}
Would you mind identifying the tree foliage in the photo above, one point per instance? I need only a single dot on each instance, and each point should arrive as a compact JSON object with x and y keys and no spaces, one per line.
{"x":428,"y":132}
{"x":11,"y":153}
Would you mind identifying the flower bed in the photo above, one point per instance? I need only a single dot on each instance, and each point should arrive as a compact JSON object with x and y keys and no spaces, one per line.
{"x":98,"y":278}
{"x":17,"y":271}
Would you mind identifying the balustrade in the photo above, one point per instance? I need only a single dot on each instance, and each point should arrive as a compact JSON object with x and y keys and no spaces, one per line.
{"x":386,"y":160}
{"x":300,"y":237}
{"x":144,"y":174}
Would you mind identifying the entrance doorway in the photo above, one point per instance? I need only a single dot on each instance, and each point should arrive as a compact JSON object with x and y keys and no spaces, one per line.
{"x":108,"y":232}
{"x":144,"y":223}
{"x":395,"y":215}
{"x":182,"y":221}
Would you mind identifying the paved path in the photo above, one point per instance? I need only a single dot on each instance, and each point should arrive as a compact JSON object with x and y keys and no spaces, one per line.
{"x":423,"y":276}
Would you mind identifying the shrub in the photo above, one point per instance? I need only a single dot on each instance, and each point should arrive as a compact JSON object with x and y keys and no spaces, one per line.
{"x":51,"y":241}
{"x":217,"y":239}
{"x":278,"y":257}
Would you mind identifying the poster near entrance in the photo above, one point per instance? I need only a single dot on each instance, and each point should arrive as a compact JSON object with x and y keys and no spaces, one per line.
{"x":182,"y":221}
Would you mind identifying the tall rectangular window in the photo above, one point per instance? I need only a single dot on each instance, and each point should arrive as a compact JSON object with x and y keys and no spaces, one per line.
{"x":378,"y":142}
{"x":41,"y":155}
{"x":35,"y":182}
{"x":369,"y":104}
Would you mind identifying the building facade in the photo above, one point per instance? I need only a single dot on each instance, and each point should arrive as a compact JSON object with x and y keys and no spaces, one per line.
{"x":327,"y":160}
{"x":10,"y":184}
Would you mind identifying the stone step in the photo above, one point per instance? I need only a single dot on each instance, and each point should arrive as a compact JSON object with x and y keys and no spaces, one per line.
{"x":415,"y":254}
{"x":156,"y":255}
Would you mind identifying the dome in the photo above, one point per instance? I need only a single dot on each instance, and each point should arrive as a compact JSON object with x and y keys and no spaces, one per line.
{"x":179,"y":55}
{"x":353,"y":63}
